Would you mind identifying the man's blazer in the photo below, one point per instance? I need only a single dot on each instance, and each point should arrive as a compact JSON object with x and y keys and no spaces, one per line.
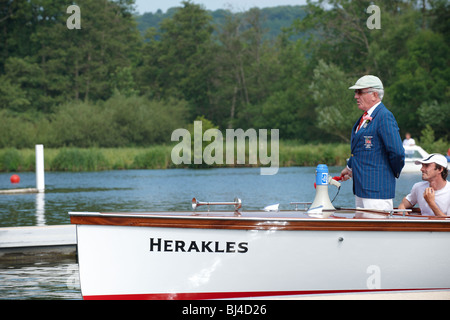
{"x":377,"y":156}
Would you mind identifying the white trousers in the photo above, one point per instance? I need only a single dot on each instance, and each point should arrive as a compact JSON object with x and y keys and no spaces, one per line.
{"x":377,"y":204}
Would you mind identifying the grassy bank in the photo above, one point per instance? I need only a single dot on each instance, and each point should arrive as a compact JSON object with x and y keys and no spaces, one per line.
{"x":156,"y":157}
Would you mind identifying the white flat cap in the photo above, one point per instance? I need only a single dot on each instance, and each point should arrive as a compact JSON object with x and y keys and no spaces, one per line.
{"x":368,"y":82}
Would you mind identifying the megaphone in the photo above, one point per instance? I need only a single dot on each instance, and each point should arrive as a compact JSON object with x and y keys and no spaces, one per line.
{"x":322,"y":199}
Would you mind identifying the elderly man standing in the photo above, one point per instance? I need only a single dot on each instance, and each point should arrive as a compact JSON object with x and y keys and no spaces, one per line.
{"x":377,"y":155}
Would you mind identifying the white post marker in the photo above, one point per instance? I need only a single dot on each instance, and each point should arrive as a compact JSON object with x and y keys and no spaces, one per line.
{"x":40,"y":180}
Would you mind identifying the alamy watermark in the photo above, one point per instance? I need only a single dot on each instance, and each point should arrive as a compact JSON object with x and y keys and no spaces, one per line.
{"x":374,"y":21}
{"x":74,"y":21}
{"x":374,"y":280}
{"x":213,"y":153}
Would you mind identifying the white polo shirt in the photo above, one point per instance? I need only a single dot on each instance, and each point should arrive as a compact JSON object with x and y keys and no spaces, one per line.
{"x":442,"y":198}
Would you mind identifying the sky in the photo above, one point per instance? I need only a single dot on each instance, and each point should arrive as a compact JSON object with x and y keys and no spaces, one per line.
{"x":143,"y":6}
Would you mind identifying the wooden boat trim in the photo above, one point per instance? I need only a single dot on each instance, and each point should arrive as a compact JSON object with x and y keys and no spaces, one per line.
{"x":210,"y":221}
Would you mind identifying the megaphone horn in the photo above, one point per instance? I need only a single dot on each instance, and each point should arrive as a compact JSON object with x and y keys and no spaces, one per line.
{"x":322,"y":198}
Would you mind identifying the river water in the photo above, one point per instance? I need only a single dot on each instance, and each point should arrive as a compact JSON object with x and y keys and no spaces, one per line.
{"x":143,"y":190}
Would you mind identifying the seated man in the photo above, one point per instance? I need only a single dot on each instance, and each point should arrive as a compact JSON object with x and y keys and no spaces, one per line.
{"x":432,"y":194}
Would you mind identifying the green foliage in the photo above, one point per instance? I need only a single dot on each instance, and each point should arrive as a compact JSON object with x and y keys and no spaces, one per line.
{"x":422,"y":79}
{"x":335,"y":106}
{"x":74,"y":159}
{"x":21,"y":86}
{"x":82,"y":124}
{"x":436,"y":116}
{"x":294,"y":154}
{"x":157,"y":158}
{"x":123,"y":80}
{"x":427,"y":141}
{"x":17,"y":131}
{"x":277,"y":18}
{"x":12,"y":96}
{"x":52,"y":63}
{"x":279,"y":112}
{"x":10,"y":160}
{"x":183,"y":58}
{"x":119,"y":121}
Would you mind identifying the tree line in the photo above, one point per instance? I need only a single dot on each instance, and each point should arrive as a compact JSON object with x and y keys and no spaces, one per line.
{"x":109,"y":84}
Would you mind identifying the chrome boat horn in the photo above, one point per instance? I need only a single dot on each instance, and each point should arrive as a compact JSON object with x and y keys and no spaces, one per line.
{"x":237,"y":204}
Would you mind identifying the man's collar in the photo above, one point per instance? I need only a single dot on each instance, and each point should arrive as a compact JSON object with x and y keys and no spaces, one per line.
{"x":371,"y":110}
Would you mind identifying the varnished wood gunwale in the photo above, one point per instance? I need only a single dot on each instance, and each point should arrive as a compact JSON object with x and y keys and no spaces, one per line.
{"x":159,"y":220}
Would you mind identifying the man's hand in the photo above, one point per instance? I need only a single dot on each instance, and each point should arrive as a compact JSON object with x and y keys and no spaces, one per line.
{"x":346,"y":174}
{"x":430,"y":199}
{"x":429,"y":196}
{"x":405,"y":204}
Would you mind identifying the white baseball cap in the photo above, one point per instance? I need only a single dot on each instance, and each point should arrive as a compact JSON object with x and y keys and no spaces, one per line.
{"x":368,"y":82}
{"x":436,"y":158}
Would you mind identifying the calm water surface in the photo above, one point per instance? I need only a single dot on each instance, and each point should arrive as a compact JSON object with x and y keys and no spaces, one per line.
{"x":143,"y":190}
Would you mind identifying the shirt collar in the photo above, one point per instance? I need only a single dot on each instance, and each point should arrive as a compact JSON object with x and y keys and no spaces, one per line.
{"x":371,"y":110}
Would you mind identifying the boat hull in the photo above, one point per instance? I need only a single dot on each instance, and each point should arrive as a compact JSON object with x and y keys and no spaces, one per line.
{"x":239,"y":257}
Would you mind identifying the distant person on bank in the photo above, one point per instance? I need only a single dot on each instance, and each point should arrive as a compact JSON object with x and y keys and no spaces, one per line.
{"x":377,"y":153}
{"x":408,"y":142}
{"x":433,"y":193}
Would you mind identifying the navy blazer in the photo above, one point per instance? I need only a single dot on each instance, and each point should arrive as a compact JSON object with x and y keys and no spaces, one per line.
{"x":377,"y":156}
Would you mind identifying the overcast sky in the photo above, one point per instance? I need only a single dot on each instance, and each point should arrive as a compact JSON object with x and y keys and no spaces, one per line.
{"x":143,"y":6}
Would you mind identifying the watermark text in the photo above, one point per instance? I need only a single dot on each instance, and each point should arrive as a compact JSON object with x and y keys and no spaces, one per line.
{"x":374,"y":21}
{"x":74,"y":21}
{"x":236,"y":139}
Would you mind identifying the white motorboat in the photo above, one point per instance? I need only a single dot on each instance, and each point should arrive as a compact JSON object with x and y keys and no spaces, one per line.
{"x":412,"y":154}
{"x":229,"y":255}
{"x":259,"y":254}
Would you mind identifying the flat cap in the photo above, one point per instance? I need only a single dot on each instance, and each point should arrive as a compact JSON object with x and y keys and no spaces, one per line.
{"x":368,"y":82}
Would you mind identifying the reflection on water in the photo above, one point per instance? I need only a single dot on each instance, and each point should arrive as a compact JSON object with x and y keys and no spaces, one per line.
{"x":40,"y":281}
{"x":40,"y":209}
{"x":143,"y":190}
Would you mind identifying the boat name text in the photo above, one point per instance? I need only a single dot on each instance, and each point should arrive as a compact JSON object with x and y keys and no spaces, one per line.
{"x":160,"y":245}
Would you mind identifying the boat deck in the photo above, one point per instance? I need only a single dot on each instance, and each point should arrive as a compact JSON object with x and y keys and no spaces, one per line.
{"x":342,"y":219}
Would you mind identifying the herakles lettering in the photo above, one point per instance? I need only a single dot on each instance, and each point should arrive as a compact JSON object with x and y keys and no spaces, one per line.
{"x":160,"y":245}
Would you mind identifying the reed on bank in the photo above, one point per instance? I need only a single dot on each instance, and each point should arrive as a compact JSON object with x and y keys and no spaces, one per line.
{"x":156,"y":157}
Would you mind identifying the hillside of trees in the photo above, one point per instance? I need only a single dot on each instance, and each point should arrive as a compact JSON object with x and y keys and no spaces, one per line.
{"x":127,"y":80}
{"x":273,"y":21}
